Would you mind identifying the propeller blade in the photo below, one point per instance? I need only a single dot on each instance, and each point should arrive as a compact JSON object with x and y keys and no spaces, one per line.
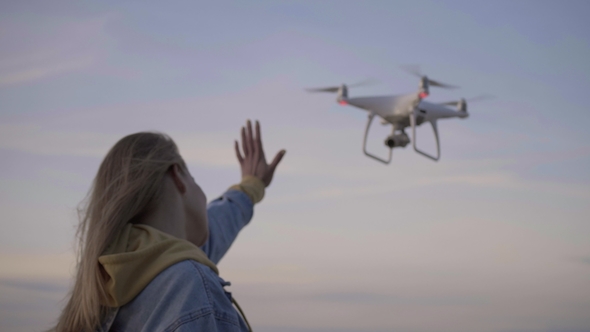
{"x":441,"y":85}
{"x":412,"y":69}
{"x":368,"y":81}
{"x":415,"y":70}
{"x":481,"y":97}
{"x":331,"y":89}
{"x":470,"y":100}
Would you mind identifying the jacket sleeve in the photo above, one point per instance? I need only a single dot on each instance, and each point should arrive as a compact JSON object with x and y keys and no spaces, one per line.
{"x":227,"y":215}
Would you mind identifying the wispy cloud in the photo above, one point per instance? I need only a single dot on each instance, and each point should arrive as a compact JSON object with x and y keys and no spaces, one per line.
{"x":214,"y":149}
{"x":37,"y":285}
{"x":37,"y":72}
{"x":584,"y":260}
{"x":49,"y":47}
{"x":391,"y":299}
{"x":199,"y":148}
{"x":32,"y":267}
{"x":35,"y":139}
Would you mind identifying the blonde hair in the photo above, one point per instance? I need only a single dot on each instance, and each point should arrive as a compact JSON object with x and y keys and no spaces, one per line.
{"x":127,"y":184}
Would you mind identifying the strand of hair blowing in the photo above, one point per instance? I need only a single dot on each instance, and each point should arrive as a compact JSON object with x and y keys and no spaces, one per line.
{"x":128,"y":181}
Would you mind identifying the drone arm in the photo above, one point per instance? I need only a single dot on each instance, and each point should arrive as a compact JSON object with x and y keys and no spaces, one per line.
{"x":434,"y":128}
{"x":371,"y":116}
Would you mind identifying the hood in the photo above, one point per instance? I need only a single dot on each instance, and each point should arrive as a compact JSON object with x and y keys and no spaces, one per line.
{"x":138,"y":255}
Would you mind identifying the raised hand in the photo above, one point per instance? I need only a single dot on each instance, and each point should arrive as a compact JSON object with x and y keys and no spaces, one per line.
{"x":254,"y":162}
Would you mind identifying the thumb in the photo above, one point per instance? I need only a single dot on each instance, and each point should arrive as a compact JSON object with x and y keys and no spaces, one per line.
{"x":277,"y":160}
{"x":271,"y":168}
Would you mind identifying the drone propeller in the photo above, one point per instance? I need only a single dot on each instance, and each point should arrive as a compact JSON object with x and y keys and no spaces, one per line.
{"x":334,"y":89}
{"x":328,"y":89}
{"x":415,"y":70}
{"x":478,"y":98}
{"x":368,"y":81}
{"x":441,"y":85}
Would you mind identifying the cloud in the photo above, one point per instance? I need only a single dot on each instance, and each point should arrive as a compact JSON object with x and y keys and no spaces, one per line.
{"x":32,"y":306}
{"x":41,"y":48}
{"x":29,"y":268}
{"x":37,"y":72}
{"x":214,"y":149}
{"x":35,"y":139}
{"x":584,"y":260}
{"x":391,"y":299}
{"x":60,"y":286}
{"x":210,"y":149}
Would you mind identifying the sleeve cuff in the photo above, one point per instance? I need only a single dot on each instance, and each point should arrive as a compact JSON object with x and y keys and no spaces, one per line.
{"x":251,"y":186}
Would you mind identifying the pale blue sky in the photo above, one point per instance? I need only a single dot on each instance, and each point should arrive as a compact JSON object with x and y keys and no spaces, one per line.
{"x":494,"y":237}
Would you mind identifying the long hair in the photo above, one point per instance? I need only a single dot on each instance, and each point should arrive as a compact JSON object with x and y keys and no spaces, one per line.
{"x":128,"y":183}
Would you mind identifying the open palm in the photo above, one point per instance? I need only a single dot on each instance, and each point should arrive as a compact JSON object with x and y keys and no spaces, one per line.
{"x":253,"y":162}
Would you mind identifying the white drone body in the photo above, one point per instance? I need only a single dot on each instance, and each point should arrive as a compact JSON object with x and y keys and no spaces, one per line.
{"x":402,"y":111}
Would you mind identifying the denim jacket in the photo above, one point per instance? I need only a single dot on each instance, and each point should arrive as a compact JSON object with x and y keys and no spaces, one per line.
{"x":189,"y":296}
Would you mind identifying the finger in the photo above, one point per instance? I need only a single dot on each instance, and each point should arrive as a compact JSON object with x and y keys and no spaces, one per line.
{"x":277,"y":160}
{"x":238,"y":154}
{"x":244,"y":143}
{"x":259,"y":140}
{"x":250,"y":139}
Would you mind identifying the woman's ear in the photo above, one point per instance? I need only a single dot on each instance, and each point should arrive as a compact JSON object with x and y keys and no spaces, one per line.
{"x":176,"y":174}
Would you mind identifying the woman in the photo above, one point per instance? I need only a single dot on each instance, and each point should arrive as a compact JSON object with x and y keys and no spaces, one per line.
{"x":149,"y":242}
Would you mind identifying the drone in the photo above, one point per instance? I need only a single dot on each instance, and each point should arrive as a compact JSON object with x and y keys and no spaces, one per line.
{"x":402,"y":111}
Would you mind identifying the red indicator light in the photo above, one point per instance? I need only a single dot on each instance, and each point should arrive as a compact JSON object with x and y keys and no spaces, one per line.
{"x":423,"y":95}
{"x":343,"y":102}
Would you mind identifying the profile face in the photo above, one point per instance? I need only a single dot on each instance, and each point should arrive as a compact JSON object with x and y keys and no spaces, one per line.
{"x":195,"y":201}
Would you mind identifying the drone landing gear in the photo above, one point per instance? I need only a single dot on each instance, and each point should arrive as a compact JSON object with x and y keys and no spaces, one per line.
{"x":434,"y":128}
{"x":385,"y":161}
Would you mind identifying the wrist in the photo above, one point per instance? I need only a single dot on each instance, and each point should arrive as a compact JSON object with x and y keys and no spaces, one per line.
{"x":252,"y":186}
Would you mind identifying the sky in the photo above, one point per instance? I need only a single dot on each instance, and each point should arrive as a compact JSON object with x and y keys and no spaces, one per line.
{"x":493,"y":237}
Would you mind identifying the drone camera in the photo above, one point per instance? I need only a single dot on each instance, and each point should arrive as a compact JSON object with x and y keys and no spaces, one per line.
{"x":400,"y":140}
{"x":390,"y":142}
